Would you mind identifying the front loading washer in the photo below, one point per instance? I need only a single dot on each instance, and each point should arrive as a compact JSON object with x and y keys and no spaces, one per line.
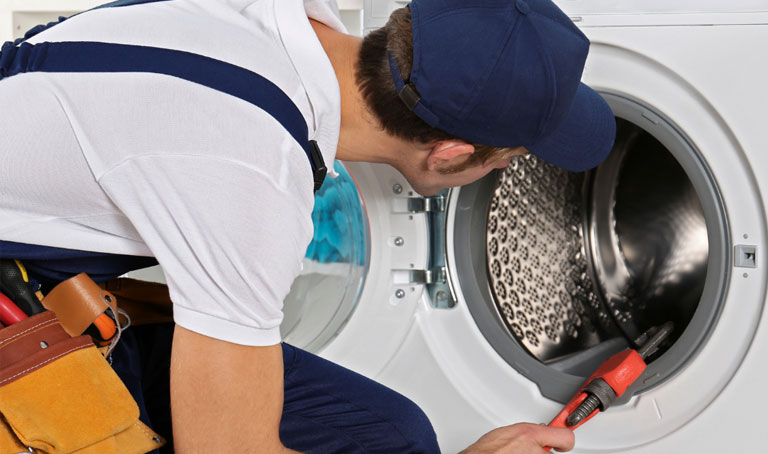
{"x":490,"y":304}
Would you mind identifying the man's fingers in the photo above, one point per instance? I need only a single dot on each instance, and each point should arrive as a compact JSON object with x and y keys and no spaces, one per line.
{"x":522,"y":438}
{"x":558,"y":438}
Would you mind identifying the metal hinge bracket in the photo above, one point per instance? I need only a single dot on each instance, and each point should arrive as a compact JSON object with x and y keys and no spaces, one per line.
{"x":434,"y":204}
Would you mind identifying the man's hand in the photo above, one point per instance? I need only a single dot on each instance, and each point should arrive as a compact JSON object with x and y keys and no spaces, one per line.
{"x":523,"y":438}
{"x":225,"y":397}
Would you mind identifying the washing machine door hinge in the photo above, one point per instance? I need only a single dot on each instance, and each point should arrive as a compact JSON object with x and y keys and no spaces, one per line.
{"x":434,"y":204}
{"x":435,"y":281}
{"x":427,"y":277}
{"x":434,"y":277}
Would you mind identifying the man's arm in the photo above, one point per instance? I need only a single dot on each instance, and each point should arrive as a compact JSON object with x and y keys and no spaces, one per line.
{"x":225,"y":397}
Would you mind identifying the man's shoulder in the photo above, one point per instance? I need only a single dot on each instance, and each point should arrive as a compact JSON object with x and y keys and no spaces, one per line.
{"x":212,"y":29}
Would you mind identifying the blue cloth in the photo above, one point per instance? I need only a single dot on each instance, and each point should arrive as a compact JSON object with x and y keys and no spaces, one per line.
{"x":341,"y":232}
{"x":327,"y":408}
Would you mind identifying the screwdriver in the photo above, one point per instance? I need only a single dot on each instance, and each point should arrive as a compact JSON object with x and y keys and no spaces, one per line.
{"x":14,"y":283}
{"x":9,"y":312}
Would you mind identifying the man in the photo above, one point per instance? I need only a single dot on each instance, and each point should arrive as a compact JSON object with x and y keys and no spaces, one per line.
{"x":168,"y":157}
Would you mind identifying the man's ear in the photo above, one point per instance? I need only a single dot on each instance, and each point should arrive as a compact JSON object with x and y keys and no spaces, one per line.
{"x":445,"y":151}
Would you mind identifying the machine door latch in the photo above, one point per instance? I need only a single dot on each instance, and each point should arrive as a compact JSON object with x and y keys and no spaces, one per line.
{"x":745,"y":256}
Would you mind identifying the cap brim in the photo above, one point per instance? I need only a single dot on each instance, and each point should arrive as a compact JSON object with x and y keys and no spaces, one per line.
{"x":584,"y":138}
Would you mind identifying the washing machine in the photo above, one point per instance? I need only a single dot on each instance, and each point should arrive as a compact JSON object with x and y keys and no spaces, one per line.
{"x":491,"y":304}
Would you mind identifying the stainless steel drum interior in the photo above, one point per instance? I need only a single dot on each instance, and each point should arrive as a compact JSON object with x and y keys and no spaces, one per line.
{"x":561,"y":269}
{"x":575,"y":259}
{"x":539,"y":274}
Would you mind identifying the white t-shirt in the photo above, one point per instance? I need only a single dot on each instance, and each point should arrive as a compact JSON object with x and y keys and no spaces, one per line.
{"x":148,"y":164}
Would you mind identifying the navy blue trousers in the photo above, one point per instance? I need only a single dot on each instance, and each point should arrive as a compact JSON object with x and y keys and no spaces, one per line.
{"x":327,"y":408}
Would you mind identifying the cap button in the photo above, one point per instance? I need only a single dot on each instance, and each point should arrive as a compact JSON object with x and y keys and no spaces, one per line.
{"x":522,"y":6}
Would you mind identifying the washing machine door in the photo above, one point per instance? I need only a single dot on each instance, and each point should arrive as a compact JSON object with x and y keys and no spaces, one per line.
{"x":574,"y":267}
{"x":378,"y":251}
{"x":334,"y":268}
{"x":377,"y":258}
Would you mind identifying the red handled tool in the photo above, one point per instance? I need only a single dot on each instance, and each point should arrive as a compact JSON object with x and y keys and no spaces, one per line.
{"x":104,"y":328}
{"x":608,"y":382}
{"x":9,"y":312}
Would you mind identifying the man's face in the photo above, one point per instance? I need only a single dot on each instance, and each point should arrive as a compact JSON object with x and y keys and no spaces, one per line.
{"x":432,"y":181}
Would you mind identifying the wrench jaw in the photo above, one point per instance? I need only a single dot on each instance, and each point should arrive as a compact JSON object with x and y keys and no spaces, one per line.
{"x":650,"y":341}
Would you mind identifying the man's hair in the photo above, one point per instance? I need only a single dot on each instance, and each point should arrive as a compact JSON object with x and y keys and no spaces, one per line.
{"x":378,"y":89}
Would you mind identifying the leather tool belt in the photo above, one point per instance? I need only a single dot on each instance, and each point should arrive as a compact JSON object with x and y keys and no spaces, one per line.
{"x":58,"y":393}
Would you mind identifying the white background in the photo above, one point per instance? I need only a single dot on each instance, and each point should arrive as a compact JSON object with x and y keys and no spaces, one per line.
{"x":18,"y":16}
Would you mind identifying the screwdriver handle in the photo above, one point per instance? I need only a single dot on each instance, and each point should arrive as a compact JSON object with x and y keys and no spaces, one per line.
{"x":14,"y":283}
{"x":9,"y":312}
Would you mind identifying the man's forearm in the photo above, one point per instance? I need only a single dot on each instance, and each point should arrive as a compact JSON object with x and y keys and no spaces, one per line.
{"x":225,"y":397}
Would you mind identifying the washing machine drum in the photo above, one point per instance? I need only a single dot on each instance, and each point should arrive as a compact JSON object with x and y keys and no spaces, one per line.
{"x":577,"y":259}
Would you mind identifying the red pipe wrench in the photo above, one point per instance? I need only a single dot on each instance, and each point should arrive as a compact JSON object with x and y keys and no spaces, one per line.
{"x":609,"y":381}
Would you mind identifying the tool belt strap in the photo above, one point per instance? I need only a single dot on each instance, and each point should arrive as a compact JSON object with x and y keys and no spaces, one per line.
{"x":145,"y":302}
{"x":79,"y":301}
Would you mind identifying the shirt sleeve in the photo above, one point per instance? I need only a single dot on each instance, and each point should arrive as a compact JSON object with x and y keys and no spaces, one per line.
{"x":229,"y":238}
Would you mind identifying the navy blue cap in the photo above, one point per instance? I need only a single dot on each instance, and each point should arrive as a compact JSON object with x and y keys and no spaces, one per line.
{"x":506,"y":73}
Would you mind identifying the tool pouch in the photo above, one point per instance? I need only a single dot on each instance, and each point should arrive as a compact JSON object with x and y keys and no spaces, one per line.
{"x":59,"y":395}
{"x":78,"y":302}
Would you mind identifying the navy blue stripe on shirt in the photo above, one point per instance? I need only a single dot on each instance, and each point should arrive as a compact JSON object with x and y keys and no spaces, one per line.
{"x":93,"y":57}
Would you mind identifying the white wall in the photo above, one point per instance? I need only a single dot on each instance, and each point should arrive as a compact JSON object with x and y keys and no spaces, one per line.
{"x":377,"y":12}
{"x":18,"y":16}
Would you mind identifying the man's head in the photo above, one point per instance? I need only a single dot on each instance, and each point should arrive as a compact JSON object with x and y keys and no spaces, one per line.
{"x":493,"y":75}
{"x":375,"y":80}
